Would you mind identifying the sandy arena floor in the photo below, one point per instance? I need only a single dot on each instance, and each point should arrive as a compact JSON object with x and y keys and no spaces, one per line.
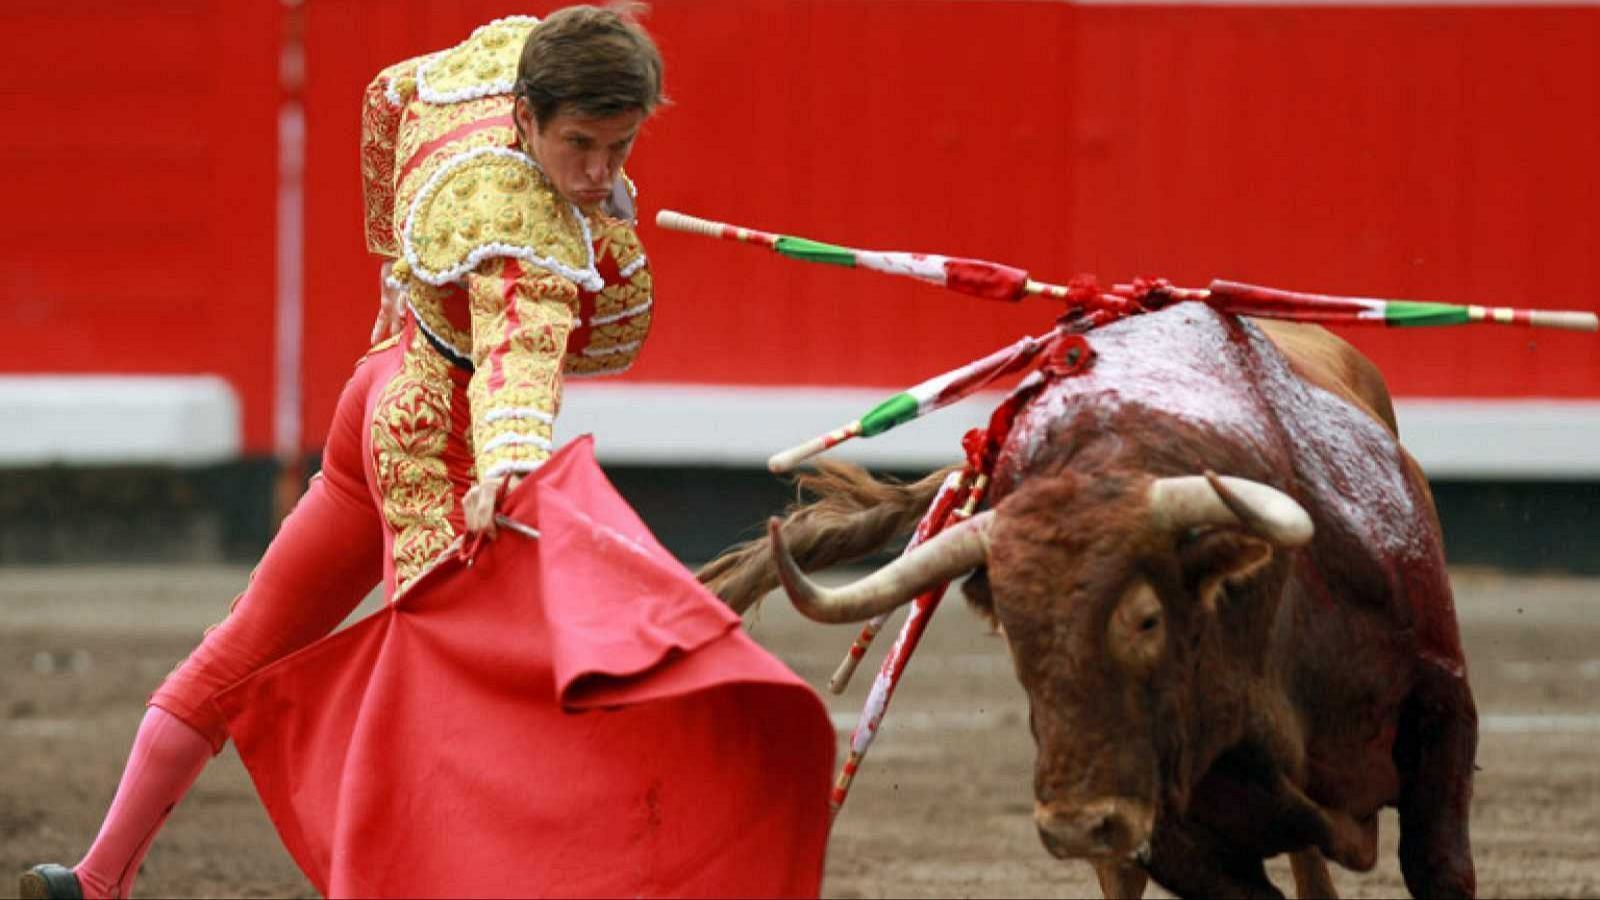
{"x":941,"y":808}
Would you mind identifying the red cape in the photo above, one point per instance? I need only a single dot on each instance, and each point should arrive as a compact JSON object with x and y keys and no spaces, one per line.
{"x":570,"y":715}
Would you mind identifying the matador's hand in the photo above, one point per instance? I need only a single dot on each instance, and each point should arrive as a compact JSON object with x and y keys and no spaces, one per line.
{"x":478,"y":506}
{"x":391,"y":305}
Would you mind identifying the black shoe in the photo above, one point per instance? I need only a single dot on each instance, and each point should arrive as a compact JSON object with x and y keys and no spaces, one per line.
{"x":50,"y":882}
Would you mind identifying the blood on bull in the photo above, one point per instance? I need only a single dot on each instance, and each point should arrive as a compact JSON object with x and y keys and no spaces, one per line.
{"x":1220,"y":668}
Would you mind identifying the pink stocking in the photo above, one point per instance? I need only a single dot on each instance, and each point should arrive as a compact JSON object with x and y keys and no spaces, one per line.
{"x":167,"y":757}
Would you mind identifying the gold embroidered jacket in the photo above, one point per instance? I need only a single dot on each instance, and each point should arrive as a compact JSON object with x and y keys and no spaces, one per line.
{"x":499,"y":270}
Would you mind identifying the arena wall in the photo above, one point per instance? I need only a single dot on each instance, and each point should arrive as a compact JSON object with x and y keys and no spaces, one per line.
{"x":1436,"y":151}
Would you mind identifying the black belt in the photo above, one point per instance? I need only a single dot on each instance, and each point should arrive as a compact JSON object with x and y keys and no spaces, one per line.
{"x":445,"y":350}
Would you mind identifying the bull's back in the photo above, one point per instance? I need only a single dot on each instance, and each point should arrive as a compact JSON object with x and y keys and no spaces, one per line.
{"x":1325,"y":360}
{"x":1187,"y":388}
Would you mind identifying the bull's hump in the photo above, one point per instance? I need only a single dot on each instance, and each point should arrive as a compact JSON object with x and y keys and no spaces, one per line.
{"x":1186,"y":364}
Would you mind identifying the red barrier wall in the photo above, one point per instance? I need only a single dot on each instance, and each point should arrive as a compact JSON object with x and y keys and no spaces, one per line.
{"x":140,"y":156}
{"x":1430,"y":153}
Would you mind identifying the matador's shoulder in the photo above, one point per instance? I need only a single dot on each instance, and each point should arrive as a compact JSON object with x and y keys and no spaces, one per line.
{"x":495,"y":202}
{"x":484,"y":65}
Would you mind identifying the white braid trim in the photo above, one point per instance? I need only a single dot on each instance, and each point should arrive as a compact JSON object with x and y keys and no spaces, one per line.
{"x":423,"y":324}
{"x":612,"y":351}
{"x":625,"y":314}
{"x":392,"y":95}
{"x":520,"y":412}
{"x":628,"y":270}
{"x":426,"y":92}
{"x":586,"y":278}
{"x":516,"y":466}
{"x":517,"y":440}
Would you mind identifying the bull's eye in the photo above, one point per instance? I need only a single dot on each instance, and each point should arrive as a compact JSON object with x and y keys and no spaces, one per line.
{"x":1137,"y":636}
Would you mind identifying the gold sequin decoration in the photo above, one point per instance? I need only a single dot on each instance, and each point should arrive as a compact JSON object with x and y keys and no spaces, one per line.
{"x":428,"y":123}
{"x":474,"y":205}
{"x":380,"y":128}
{"x":430,"y":302}
{"x":529,"y":371}
{"x":410,"y":430}
{"x":488,"y":58}
{"x":615,"y":239}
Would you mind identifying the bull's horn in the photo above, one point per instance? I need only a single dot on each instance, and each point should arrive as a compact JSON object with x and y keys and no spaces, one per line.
{"x":1192,"y":500}
{"x":949,"y":554}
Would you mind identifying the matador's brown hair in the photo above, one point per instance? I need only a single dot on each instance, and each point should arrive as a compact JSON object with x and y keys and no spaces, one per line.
{"x":592,"y":61}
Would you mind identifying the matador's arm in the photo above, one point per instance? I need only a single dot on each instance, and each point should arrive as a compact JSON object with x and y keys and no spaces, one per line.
{"x":522,"y":315}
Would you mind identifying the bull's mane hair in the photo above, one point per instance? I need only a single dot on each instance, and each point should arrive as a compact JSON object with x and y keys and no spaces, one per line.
{"x":853,"y":516}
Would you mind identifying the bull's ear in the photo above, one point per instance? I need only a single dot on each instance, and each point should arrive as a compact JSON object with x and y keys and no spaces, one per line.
{"x":1221,"y":557}
{"x":980,"y":597}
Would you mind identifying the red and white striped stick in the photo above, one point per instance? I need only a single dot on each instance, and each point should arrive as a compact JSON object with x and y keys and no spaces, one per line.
{"x":938,"y":511}
{"x":894,"y":664}
{"x":997,"y":281}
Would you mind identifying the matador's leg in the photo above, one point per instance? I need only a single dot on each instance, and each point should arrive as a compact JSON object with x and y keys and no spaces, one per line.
{"x":326,"y":557}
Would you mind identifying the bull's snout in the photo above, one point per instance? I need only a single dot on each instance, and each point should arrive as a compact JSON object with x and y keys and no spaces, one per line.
{"x":1104,"y":828}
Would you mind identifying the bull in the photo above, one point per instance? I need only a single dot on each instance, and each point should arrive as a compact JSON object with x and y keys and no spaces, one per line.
{"x":1219,"y":668}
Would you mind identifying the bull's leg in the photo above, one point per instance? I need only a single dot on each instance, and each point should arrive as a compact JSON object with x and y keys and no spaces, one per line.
{"x":1311,"y":878}
{"x":1191,"y":863}
{"x":1120,"y":879}
{"x":1278,"y":816}
{"x":1336,"y":833}
{"x":1434,"y":752}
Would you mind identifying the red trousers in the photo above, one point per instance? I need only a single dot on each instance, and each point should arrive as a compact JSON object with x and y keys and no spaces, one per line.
{"x":571,"y":714}
{"x":327,"y":556}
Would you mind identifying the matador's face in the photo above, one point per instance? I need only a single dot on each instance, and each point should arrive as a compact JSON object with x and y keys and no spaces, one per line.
{"x":581,"y":154}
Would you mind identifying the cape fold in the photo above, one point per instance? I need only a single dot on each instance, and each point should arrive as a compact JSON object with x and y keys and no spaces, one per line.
{"x":572,"y":715}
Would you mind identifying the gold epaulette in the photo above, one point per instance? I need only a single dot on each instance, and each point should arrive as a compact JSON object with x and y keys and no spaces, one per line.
{"x":484,"y":65}
{"x":494,"y":201}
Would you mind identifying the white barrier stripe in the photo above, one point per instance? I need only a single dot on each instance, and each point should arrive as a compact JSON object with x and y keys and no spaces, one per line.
{"x":642,"y":422}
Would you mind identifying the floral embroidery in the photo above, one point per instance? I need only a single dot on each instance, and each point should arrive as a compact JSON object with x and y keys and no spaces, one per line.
{"x":410,"y":431}
{"x":494,"y":202}
{"x":521,"y":319}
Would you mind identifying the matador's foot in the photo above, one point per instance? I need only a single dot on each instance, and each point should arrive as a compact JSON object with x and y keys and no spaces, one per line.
{"x":50,"y":882}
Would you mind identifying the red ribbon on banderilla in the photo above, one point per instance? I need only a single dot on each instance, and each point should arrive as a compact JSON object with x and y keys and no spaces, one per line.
{"x":957,"y":500}
{"x":1089,"y":306}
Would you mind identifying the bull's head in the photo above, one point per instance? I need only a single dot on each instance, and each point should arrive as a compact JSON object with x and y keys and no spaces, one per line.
{"x":1110,"y":594}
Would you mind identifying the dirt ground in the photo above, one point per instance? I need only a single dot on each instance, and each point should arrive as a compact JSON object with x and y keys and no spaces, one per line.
{"x":941,"y":808}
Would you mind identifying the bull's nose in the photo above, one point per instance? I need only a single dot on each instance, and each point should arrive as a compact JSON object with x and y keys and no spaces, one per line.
{"x":1102,"y":828}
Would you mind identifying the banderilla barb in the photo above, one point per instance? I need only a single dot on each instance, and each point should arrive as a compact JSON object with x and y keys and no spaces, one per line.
{"x":1088,"y":307}
{"x":996,"y":281}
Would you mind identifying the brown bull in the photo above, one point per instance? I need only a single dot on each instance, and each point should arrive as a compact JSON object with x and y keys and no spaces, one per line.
{"x":1218,"y":669}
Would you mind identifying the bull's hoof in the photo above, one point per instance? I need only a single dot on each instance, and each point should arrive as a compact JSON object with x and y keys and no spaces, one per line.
{"x":50,"y":882}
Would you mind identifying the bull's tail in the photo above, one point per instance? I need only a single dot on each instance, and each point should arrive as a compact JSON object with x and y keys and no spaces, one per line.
{"x":854,"y":516}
